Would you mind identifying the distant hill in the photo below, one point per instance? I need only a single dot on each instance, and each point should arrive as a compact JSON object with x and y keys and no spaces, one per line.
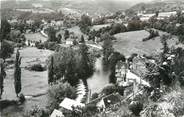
{"x":159,"y":5}
{"x":92,"y":7}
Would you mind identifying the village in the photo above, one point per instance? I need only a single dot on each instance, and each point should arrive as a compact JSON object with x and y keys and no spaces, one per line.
{"x":70,"y":63}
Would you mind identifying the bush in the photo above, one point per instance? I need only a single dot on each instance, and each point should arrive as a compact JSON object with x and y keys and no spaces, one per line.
{"x":39,"y":45}
{"x":51,"y":45}
{"x":37,"y":67}
{"x":94,"y":96}
{"x":36,"y":112}
{"x":136,"y":107}
{"x":58,"y":92}
{"x":109,"y":89}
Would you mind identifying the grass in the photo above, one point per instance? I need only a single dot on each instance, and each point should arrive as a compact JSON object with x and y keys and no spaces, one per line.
{"x":97,"y":27}
{"x":35,"y":37}
{"x":33,"y":83}
{"x":131,"y":42}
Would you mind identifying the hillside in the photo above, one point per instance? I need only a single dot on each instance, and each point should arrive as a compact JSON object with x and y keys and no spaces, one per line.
{"x":159,"y":5}
{"x":131,"y":42}
{"x":93,"y":7}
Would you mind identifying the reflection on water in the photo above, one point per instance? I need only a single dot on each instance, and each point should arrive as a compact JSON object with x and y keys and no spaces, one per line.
{"x":99,"y":78}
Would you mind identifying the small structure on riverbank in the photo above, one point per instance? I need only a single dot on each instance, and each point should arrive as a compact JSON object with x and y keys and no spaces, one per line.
{"x":56,"y":113}
{"x":69,"y":104}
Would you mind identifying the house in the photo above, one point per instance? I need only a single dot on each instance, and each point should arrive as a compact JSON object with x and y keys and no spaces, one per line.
{"x":69,"y":42}
{"x":56,"y":113}
{"x":68,"y":104}
{"x":105,"y":102}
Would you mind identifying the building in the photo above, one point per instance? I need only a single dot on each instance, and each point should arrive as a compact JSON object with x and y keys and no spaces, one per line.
{"x":69,"y":104}
{"x":105,"y":102}
{"x":56,"y":113}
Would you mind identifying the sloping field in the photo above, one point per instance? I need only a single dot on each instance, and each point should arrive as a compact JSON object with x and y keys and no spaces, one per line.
{"x":131,"y":42}
{"x":33,"y":83}
{"x":35,"y":37}
{"x":97,"y":27}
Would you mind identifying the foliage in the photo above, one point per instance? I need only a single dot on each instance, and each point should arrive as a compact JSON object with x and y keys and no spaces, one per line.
{"x":117,"y":28}
{"x":51,"y":45}
{"x":58,"y":92}
{"x":155,"y":110}
{"x":85,"y":23}
{"x":152,"y":34}
{"x":37,"y":67}
{"x":134,"y":25}
{"x":51,"y":71}
{"x":5,"y":29}
{"x":94,"y":96}
{"x":2,"y":76}
{"x":136,"y":107}
{"x":66,"y":34}
{"x":52,"y":34}
{"x":107,"y":50}
{"x":6,"y":50}
{"x":109,"y":89}
{"x":36,"y":111}
{"x":17,"y":73}
{"x":73,"y":63}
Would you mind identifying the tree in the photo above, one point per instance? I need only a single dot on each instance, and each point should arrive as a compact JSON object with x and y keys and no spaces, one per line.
{"x":85,"y":20}
{"x":84,"y":64}
{"x":52,"y":34}
{"x":51,"y":71}
{"x":58,"y":92}
{"x":6,"y":50}
{"x":59,"y":37}
{"x":66,"y":34}
{"x":2,"y":76}
{"x":107,"y":51}
{"x":82,"y":39}
{"x":164,"y":43}
{"x":134,"y":25}
{"x":109,"y":89}
{"x":5,"y":29}
{"x":17,"y":73}
{"x":117,"y":28}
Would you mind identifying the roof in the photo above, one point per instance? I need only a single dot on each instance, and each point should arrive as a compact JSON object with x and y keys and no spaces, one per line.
{"x":108,"y":100}
{"x":138,"y":79}
{"x":112,"y":99}
{"x":69,"y":103}
{"x":56,"y":113}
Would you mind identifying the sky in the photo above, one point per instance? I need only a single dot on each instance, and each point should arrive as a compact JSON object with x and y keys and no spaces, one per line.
{"x":95,"y":0}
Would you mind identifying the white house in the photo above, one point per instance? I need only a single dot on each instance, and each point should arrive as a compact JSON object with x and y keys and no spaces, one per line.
{"x":56,"y":113}
{"x":70,"y":103}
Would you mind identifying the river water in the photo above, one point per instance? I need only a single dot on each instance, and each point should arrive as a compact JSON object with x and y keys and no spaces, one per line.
{"x":99,"y":79}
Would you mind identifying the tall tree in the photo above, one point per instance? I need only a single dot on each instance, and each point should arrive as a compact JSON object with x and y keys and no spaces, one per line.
{"x":107,"y":51}
{"x":17,"y":73}
{"x":6,"y":50}
{"x":2,"y":76}
{"x":52,"y":34}
{"x":66,"y":34}
{"x":84,"y":64}
{"x":51,"y":71}
{"x":5,"y":29}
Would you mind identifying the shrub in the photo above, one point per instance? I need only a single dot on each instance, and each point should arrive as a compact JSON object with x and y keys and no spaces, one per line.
{"x":37,"y":67}
{"x":109,"y":89}
{"x":51,"y":45}
{"x":94,"y":96}
{"x":136,"y":107}
{"x":36,"y":112}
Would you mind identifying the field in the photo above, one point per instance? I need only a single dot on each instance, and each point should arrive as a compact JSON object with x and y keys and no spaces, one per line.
{"x":131,"y":42}
{"x":34,"y":84}
{"x":35,"y":37}
{"x":97,"y":27}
